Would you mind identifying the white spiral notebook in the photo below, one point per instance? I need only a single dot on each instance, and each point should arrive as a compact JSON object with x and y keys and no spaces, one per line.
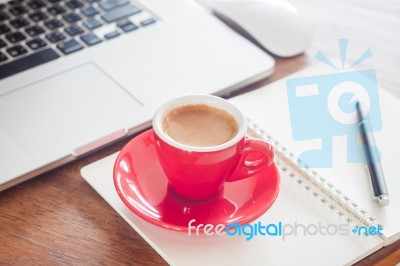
{"x":327,"y":198}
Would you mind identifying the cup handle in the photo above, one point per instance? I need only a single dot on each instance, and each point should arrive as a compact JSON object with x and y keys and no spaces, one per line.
{"x":256,"y":155}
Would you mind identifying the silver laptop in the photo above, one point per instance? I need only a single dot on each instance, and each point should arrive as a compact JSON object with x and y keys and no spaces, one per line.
{"x":79,"y":74}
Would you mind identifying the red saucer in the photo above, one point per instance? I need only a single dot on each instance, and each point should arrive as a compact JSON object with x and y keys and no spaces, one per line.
{"x":143,"y":187}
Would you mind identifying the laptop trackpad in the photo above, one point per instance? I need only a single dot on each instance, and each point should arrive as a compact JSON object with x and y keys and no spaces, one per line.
{"x":58,"y":107}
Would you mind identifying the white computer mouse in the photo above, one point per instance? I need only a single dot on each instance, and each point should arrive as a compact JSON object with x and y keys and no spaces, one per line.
{"x":275,"y":24}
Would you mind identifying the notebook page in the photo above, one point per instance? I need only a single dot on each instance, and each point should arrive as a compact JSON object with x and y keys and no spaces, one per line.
{"x":268,"y":107}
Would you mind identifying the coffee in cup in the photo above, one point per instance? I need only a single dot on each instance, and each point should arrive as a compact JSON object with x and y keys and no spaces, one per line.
{"x":200,"y":125}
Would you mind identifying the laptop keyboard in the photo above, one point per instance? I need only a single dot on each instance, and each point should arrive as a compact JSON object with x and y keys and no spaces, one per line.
{"x":33,"y":32}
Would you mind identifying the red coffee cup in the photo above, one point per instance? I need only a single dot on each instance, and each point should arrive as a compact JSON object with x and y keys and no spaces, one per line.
{"x":199,"y":173}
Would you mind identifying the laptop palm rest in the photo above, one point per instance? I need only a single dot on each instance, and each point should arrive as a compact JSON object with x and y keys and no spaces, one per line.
{"x":70,"y":90}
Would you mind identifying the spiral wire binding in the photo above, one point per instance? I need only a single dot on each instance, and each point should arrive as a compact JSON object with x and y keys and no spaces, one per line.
{"x":326,"y":192}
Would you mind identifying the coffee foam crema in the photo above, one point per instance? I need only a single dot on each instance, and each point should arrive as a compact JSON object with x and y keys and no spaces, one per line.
{"x":200,"y":125}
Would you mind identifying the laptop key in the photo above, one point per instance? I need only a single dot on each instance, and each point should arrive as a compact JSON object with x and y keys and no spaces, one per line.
{"x":147,"y":22}
{"x":111,"y":35}
{"x":89,"y":11}
{"x":92,"y":23}
{"x":3,"y":58}
{"x":36,"y":44}
{"x":73,"y":30}
{"x":36,"y":4}
{"x":4,"y":29}
{"x":71,"y":17}
{"x":126,"y":25}
{"x":55,"y":37}
{"x":56,"y":10}
{"x":17,"y":50}
{"x":91,"y":39}
{"x":2,"y":44}
{"x":15,"y":37}
{"x":70,"y":46}
{"x":120,"y":13}
{"x":27,"y":62}
{"x":73,"y":4}
{"x":34,"y":30}
{"x":3,"y":16}
{"x":110,"y":4}
{"x":15,"y":2}
{"x":19,"y":23}
{"x":18,"y":10}
{"x":38,"y":16}
{"x":53,"y":24}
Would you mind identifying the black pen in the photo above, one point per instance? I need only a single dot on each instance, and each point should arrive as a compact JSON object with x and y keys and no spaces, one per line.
{"x":380,"y":192}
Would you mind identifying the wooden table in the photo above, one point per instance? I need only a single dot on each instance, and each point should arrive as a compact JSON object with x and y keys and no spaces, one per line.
{"x":58,"y":219}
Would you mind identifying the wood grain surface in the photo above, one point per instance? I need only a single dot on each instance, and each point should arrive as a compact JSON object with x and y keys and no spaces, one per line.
{"x":58,"y":219}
